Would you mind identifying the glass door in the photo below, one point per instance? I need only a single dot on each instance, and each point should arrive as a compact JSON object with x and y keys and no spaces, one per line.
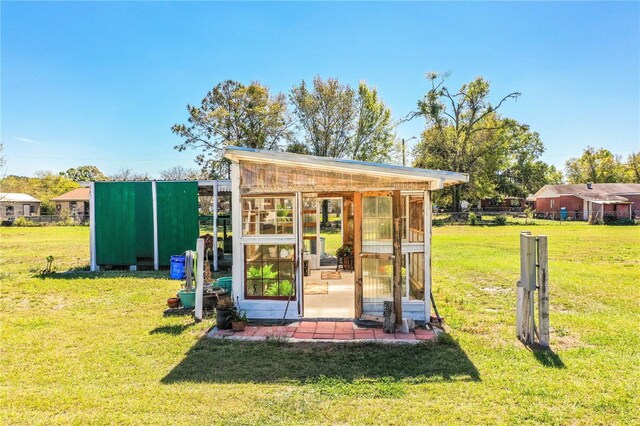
{"x":310,"y":231}
{"x":377,"y":248}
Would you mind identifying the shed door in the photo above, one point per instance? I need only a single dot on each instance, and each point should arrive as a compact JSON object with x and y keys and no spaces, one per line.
{"x":379,"y":272}
{"x":26,"y":210}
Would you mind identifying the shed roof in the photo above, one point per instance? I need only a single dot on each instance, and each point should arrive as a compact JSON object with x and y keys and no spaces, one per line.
{"x":78,"y":194}
{"x":17,"y":197}
{"x":235,"y":153}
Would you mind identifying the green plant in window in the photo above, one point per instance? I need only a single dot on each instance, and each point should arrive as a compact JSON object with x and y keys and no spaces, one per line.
{"x":266,"y":272}
{"x":285,"y":289}
{"x":283,"y":213}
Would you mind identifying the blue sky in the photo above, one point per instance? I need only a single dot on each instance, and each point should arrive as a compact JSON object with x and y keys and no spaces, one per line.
{"x":102,"y":83}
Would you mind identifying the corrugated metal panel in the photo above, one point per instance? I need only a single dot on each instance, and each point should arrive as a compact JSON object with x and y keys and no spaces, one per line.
{"x":144,"y":221}
{"x":115,"y":223}
{"x":124,"y":222}
{"x":177,"y":218}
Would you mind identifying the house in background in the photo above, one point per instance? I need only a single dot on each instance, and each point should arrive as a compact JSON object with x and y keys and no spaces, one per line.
{"x":582,"y":201}
{"x":76,"y":202}
{"x":14,"y":205}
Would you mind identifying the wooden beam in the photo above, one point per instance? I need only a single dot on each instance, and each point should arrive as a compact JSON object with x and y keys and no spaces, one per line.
{"x":385,"y":256}
{"x":199,"y":273}
{"x":427,"y":255}
{"x":396,"y":202}
{"x":357,"y":250}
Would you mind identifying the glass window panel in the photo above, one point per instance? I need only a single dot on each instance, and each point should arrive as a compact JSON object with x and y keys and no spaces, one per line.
{"x":254,"y":270}
{"x":416,"y":276}
{"x":377,"y":279}
{"x":270,"y":270}
{"x":416,"y":219}
{"x":377,"y":225}
{"x":384,"y":206}
{"x":404,"y":275}
{"x":285,"y":251}
{"x":369,"y":206}
{"x":254,"y":287}
{"x":267,"y":215}
{"x":286,"y":270}
{"x":269,"y":252}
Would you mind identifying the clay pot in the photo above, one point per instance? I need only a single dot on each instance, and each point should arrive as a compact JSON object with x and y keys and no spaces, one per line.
{"x":173,"y":302}
{"x":238,"y":325}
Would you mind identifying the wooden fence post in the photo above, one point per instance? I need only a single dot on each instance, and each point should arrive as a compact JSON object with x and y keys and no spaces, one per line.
{"x":543,"y":291}
{"x":199,"y":273}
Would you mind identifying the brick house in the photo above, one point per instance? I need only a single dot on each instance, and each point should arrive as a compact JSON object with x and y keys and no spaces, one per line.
{"x":14,"y":205}
{"x":619,"y":200}
{"x":76,"y":202}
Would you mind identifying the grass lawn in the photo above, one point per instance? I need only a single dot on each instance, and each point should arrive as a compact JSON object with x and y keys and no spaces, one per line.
{"x":94,"y":348}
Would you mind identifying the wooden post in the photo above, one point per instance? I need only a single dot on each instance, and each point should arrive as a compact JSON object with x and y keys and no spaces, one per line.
{"x":390,"y":317}
{"x":397,"y":254}
{"x":357,"y":250}
{"x":199,"y":273}
{"x":427,"y":255}
{"x":543,"y":291}
{"x":236,"y":226}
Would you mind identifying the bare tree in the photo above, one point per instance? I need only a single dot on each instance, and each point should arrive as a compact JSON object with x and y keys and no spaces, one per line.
{"x":128,"y":175}
{"x":180,"y":173}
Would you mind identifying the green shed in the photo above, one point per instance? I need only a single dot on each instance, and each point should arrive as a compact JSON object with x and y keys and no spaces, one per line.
{"x":144,"y":223}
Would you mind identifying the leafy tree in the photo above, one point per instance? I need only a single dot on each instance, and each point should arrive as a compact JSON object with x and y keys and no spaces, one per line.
{"x":595,"y":165}
{"x":84,"y":173}
{"x":375,"y":139}
{"x":326,"y":116}
{"x":632,"y":167}
{"x":233,"y":114}
{"x":179,"y":173}
{"x":464,"y":133}
{"x":334,"y":121}
{"x":519,"y":172}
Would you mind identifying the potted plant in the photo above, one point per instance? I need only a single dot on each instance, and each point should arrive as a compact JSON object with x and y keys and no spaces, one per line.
{"x":225,"y":311}
{"x":188,"y":295}
{"x":345,"y":253}
{"x":238,"y":320}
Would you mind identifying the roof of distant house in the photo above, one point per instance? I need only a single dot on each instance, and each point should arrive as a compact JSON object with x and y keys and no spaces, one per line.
{"x":597,"y":192}
{"x":17,"y":197}
{"x":78,"y":194}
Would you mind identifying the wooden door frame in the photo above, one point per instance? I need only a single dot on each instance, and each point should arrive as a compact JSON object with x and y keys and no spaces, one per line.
{"x":396,"y":256}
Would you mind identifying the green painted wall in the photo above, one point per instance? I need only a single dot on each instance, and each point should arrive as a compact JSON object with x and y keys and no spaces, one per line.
{"x":123,"y":222}
{"x":177,"y":218}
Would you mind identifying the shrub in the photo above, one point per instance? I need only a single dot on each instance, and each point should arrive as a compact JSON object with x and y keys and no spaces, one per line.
{"x":473,"y":219}
{"x":437,"y":222}
{"x":501,"y":219}
{"x":21,"y":221}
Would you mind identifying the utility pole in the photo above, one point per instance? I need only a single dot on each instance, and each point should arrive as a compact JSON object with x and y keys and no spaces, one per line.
{"x":404,"y":159}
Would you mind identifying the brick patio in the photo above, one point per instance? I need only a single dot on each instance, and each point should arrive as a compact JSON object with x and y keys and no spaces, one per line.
{"x":321,"y":331}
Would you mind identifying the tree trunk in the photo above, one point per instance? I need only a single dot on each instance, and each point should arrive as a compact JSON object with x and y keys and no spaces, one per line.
{"x":325,"y":212}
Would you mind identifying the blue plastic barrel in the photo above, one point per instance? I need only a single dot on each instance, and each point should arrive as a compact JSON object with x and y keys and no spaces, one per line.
{"x":176,"y":271}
